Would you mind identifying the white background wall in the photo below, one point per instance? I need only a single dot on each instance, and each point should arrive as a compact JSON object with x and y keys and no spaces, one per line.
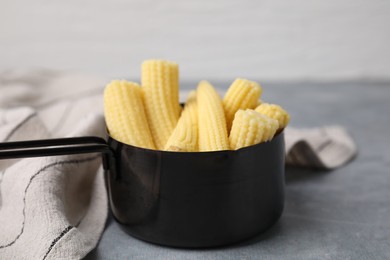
{"x":211,"y":39}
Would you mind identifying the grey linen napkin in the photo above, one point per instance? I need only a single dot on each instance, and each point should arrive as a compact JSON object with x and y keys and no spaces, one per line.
{"x":53,"y":207}
{"x":326,"y":147}
{"x":56,"y":207}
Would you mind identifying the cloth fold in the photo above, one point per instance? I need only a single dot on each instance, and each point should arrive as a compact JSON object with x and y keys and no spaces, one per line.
{"x":323,"y":147}
{"x":51,"y":207}
{"x":56,"y":207}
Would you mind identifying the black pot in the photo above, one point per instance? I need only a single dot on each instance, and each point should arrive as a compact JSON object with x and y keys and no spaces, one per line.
{"x":195,"y":199}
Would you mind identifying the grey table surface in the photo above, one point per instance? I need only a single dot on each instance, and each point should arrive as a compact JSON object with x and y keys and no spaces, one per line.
{"x":339,"y":214}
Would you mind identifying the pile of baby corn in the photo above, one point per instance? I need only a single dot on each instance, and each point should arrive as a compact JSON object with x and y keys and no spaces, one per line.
{"x":150,"y":116}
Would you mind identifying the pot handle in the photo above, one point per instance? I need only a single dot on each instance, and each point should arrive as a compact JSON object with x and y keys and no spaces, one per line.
{"x":60,"y":146}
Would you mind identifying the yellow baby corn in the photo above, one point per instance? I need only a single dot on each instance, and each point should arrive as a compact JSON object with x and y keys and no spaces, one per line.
{"x":212,"y":123}
{"x":242,"y":94}
{"x":275,"y":112}
{"x":250,"y":127}
{"x":185,"y":135}
{"x":160,"y":84}
{"x":125,"y":114}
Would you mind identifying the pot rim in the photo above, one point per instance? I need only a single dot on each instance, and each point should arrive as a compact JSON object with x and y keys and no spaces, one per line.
{"x":277,"y":135}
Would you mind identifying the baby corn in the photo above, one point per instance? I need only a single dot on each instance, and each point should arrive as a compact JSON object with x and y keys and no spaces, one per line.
{"x":242,"y":94}
{"x":212,"y":123}
{"x":160,"y":84}
{"x":275,"y":112}
{"x":250,"y":127}
{"x":125,"y":114}
{"x":185,"y":135}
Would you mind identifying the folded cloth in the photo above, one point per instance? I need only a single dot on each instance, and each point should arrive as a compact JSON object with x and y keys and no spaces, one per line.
{"x":323,"y":148}
{"x":52,"y":207}
{"x":56,"y":207}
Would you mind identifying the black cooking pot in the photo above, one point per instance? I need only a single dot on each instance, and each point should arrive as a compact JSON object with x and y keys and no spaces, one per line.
{"x":181,"y":199}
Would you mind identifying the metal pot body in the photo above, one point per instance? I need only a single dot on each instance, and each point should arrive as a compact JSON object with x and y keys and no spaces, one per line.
{"x":197,"y":199}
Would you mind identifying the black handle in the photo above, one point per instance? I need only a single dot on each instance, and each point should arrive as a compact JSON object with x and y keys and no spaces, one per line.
{"x":60,"y":146}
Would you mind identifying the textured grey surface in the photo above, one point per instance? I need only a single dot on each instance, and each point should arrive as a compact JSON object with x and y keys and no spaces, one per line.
{"x":342,"y":214}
